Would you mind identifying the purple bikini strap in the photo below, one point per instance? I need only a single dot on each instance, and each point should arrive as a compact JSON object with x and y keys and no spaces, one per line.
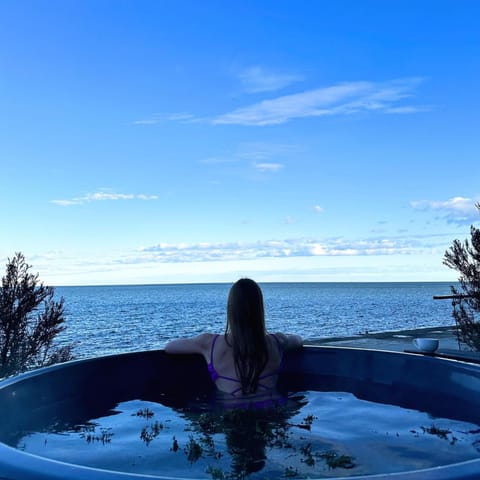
{"x":278,"y":343}
{"x":211,"y":349}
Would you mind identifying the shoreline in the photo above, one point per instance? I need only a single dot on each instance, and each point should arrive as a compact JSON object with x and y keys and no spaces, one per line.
{"x":397,"y":340}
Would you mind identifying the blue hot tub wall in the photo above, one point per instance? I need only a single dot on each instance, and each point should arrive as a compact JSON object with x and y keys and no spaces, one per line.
{"x":75,"y":392}
{"x":72,"y":393}
{"x":440,"y":387}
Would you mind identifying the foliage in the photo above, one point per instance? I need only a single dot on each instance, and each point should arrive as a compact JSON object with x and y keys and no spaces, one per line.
{"x":30,"y":319}
{"x":465,"y":258}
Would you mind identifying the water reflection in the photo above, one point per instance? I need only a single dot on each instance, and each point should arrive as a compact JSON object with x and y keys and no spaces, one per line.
{"x":314,"y":434}
{"x":247,"y":433}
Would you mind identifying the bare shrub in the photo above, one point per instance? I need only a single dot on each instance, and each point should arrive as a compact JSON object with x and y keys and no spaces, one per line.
{"x":30,"y":319}
{"x":465,"y":259}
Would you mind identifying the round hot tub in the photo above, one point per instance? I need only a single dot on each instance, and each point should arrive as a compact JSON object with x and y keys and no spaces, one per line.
{"x":346,"y":413}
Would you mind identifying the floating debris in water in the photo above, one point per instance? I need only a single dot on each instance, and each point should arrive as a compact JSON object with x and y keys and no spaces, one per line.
{"x":290,"y":472}
{"x":307,"y":422}
{"x":175,"y":446}
{"x":150,"y":432}
{"x":90,"y":435}
{"x":440,"y":433}
{"x":145,"y":413}
{"x":216,"y":473}
{"x":193,"y":450}
{"x":334,"y":460}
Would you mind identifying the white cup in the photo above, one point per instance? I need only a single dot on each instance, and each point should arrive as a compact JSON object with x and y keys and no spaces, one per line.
{"x":426,"y":344}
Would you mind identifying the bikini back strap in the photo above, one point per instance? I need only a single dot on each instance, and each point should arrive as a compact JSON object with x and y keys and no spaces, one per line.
{"x":211,"y":349}
{"x":279,"y":345}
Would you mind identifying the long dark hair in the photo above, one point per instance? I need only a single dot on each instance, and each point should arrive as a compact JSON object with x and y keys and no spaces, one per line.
{"x":246,"y":326}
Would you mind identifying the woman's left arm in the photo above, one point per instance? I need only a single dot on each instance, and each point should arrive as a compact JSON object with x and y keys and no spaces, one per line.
{"x":197,"y":344}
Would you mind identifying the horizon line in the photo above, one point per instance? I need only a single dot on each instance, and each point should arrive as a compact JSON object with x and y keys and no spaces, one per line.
{"x":259,"y":282}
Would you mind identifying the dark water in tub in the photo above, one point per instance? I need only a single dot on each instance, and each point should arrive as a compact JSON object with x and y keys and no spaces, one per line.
{"x":317,"y":434}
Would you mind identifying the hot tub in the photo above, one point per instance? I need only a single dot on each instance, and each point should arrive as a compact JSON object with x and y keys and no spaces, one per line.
{"x":74,"y":392}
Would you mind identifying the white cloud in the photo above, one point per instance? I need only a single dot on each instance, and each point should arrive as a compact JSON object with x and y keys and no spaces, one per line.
{"x":142,"y":196}
{"x":257,"y":79}
{"x":459,"y":210}
{"x":66,"y":203}
{"x":148,"y":121}
{"x":103,"y":196}
{"x":299,"y":247}
{"x":217,"y":160}
{"x":341,"y":99}
{"x":98,"y":196}
{"x":263,"y":151}
{"x":320,"y":259}
{"x":268,"y":166}
{"x":262,"y":157}
{"x":408,"y":109}
{"x":318,"y":208}
{"x":156,"y":118}
{"x":180,"y":116}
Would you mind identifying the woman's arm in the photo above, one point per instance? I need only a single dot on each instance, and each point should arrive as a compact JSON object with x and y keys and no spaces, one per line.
{"x":199,"y":344}
{"x":289,"y":341}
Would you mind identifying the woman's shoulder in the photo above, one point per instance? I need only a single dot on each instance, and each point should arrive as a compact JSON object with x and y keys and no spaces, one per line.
{"x":199,"y":344}
{"x":288,"y":341}
{"x":205,"y":340}
{"x":206,"y":337}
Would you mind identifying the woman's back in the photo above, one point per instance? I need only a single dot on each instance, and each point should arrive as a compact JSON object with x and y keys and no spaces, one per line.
{"x":221,"y":365}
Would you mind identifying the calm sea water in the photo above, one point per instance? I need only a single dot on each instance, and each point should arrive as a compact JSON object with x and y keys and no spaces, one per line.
{"x":110,"y":319}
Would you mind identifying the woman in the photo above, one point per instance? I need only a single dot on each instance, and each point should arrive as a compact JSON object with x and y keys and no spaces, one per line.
{"x":244,"y":362}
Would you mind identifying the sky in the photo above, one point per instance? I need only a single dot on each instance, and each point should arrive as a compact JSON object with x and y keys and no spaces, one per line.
{"x":185,"y":141}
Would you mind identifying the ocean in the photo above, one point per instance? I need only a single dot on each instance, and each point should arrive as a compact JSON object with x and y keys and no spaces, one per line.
{"x":103,"y":320}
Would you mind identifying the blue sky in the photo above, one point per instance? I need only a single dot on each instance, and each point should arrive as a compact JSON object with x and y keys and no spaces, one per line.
{"x":186,"y":141}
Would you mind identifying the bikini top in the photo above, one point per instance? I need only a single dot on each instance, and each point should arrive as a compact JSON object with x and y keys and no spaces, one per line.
{"x":215,"y":375}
